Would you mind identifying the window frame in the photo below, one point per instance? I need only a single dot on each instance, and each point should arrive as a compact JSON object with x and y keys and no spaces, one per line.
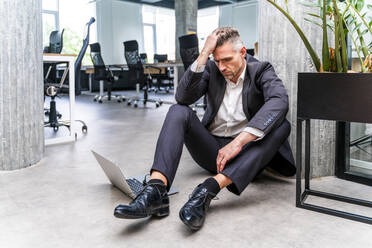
{"x":55,"y":13}
{"x":153,"y":35}
{"x":343,"y":156}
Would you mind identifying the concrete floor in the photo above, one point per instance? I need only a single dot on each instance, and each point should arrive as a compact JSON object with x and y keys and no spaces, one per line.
{"x":66,"y":200}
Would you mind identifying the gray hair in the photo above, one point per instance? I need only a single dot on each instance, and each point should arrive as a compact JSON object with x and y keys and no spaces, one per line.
{"x":231,"y":35}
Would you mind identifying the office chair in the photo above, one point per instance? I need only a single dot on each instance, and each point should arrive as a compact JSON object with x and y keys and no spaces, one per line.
{"x":189,"y":51}
{"x":143,"y":57}
{"x":55,"y":42}
{"x":51,"y":87}
{"x":250,"y":51}
{"x":160,"y":58}
{"x":50,"y":69}
{"x":164,"y":79}
{"x":136,"y":72}
{"x":102,"y":74}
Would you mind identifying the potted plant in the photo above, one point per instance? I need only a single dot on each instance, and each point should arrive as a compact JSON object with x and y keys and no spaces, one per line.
{"x":333,"y":92}
{"x":343,"y":18}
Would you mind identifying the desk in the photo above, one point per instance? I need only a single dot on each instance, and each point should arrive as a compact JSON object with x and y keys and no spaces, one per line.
{"x":70,"y":59}
{"x":175,"y":66}
{"x":164,"y":65}
{"x":90,"y":70}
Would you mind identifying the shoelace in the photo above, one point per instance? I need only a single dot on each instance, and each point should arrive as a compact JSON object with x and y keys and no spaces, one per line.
{"x":146,"y":188}
{"x":205,"y":197}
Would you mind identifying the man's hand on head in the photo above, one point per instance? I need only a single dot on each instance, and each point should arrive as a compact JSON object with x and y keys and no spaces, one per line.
{"x":209,"y":46}
{"x":210,"y":43}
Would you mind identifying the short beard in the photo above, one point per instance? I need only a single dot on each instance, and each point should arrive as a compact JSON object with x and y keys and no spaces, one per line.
{"x":239,"y":70}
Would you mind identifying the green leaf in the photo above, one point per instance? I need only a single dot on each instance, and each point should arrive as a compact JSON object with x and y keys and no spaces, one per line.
{"x":306,"y":42}
{"x":357,"y":26}
{"x":311,"y":5}
{"x":314,"y":22}
{"x":370,"y":45}
{"x":362,"y":33}
{"x":359,"y":5}
{"x":286,"y":6}
{"x":351,"y":23}
{"x":369,"y":6}
{"x":314,"y":15}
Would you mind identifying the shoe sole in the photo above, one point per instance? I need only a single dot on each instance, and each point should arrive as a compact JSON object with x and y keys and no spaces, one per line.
{"x":161,"y":212}
{"x":193,"y":228}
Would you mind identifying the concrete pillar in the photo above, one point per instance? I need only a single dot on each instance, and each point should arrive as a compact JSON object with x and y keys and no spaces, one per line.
{"x":21,"y":84}
{"x":280,"y":44}
{"x":186,"y":20}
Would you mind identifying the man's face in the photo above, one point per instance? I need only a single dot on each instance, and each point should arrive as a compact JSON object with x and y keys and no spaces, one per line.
{"x":229,"y":61}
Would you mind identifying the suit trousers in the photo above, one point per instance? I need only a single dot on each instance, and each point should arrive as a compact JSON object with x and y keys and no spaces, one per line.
{"x":182,"y":126}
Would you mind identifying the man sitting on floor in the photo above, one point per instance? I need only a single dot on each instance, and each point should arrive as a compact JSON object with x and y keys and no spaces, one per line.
{"x":243,"y":130}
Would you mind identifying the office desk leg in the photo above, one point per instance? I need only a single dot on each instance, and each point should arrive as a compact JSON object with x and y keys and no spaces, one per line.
{"x":90,"y":82}
{"x":302,"y":195}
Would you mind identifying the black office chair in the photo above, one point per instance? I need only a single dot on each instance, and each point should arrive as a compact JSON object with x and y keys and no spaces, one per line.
{"x":143,"y":57}
{"x":136,"y":72}
{"x":52,"y":87}
{"x":50,"y":77}
{"x":160,"y":58}
{"x":50,"y":69}
{"x":189,"y":51}
{"x":102,"y":74}
{"x":164,"y":79}
{"x":250,"y":51}
{"x":55,"y":42}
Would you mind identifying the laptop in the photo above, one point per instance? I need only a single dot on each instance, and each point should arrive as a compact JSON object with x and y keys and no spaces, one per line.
{"x":129,"y":186}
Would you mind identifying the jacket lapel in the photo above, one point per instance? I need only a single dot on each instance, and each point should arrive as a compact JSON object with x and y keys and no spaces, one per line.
{"x":246,"y":84}
{"x":220,"y":92}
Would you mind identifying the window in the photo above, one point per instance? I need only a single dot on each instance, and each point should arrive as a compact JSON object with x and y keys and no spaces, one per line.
{"x":159,"y":31}
{"x":50,"y":19}
{"x":73,"y":17}
{"x":149,"y":40}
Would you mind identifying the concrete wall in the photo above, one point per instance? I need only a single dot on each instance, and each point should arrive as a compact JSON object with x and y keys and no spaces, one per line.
{"x":280,"y":44}
{"x":186,"y":20}
{"x":118,"y":21}
{"x":244,"y":17}
{"x":21,"y":84}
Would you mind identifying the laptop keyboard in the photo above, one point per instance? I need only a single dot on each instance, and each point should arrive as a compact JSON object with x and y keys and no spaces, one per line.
{"x":135,"y":185}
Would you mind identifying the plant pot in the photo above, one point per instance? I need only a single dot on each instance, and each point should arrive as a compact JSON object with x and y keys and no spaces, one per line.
{"x":335,"y":96}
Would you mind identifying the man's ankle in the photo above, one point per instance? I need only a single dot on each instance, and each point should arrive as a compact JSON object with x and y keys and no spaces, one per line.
{"x":212,"y":185}
{"x":158,"y":175}
{"x":156,"y":181}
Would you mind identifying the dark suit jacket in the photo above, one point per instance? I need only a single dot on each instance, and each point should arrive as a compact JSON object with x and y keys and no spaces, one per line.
{"x":265,"y":101}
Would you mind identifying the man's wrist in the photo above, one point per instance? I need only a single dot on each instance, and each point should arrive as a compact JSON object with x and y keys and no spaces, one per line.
{"x":203,"y":57}
{"x":244,"y":138}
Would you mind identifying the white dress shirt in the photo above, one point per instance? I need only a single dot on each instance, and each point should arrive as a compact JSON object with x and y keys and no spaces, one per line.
{"x":230,"y":120}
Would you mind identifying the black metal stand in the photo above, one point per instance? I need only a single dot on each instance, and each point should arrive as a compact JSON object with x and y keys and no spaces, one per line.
{"x":301,"y":196}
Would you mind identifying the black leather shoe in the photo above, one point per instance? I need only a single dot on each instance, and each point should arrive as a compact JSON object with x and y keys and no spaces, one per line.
{"x":153,"y":200}
{"x":194,"y":211}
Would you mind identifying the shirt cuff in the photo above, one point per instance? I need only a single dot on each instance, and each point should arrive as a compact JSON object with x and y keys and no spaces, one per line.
{"x":197,"y":68}
{"x":257,"y":132}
